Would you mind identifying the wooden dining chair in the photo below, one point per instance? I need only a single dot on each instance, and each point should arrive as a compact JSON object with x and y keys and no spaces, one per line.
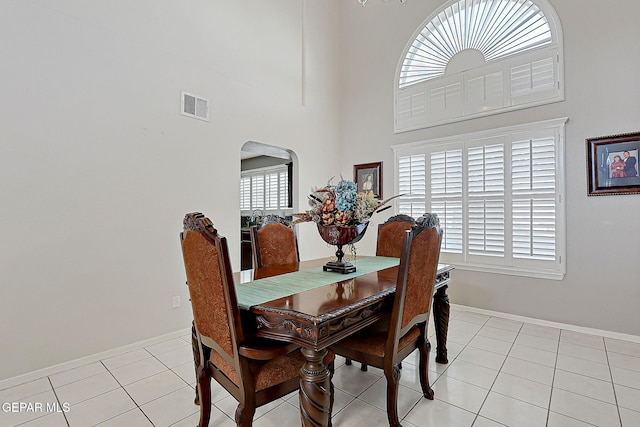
{"x":387,"y":342}
{"x":274,"y":242}
{"x":391,"y":234}
{"x":390,"y":237}
{"x":254,"y":371}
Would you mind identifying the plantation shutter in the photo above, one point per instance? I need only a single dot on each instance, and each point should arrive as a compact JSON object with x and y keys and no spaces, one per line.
{"x":485,"y":90}
{"x":498,"y":194}
{"x":479,"y":57}
{"x":271,"y":190}
{"x":533,"y":191}
{"x":284,"y":189}
{"x":446,"y":197}
{"x":410,"y":107}
{"x":486,"y":205}
{"x":257,"y":192}
{"x":245,"y":193}
{"x":534,"y":80}
{"x":265,"y":189}
{"x":446,"y":100}
{"x":412,"y":185}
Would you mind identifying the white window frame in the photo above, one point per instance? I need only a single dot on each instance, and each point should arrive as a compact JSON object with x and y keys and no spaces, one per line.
{"x":456,"y":220}
{"x":516,"y":81}
{"x":256,"y":195}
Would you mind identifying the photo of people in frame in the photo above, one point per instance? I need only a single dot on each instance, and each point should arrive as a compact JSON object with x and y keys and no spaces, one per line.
{"x":367,"y":180}
{"x":624,"y":164}
{"x":368,"y":177}
{"x":367,"y":184}
{"x":612,"y":164}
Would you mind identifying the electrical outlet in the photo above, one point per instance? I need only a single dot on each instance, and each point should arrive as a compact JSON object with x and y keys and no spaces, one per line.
{"x":176,"y":302}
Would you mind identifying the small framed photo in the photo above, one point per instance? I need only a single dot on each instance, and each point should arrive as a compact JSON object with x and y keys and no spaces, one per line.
{"x":368,"y":177}
{"x":612,"y":164}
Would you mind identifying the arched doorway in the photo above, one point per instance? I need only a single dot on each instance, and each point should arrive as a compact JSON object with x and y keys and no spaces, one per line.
{"x":268,"y":185}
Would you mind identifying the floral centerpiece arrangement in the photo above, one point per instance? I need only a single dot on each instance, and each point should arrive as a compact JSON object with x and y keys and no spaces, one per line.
{"x":341,"y":205}
{"x":342,"y":215}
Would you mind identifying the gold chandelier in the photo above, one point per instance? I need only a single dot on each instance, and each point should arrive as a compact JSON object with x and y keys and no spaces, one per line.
{"x":364,"y":2}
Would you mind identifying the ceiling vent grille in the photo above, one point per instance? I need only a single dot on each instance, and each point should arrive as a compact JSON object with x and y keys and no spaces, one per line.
{"x":194,"y":106}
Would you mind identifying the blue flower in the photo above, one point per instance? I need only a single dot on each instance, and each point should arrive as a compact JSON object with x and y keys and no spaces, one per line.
{"x":346,"y":195}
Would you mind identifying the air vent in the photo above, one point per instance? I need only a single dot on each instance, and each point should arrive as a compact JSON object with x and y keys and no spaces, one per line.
{"x":195,"y":106}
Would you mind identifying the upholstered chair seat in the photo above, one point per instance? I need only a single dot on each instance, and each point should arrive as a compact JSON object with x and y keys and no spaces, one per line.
{"x":371,"y":341}
{"x":265,"y":372}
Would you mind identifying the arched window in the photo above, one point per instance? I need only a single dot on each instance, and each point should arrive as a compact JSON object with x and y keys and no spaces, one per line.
{"x":478,"y":57}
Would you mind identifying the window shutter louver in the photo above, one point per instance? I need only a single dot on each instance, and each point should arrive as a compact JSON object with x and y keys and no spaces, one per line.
{"x":534,"y":229}
{"x":271,"y":190}
{"x":484,"y":92}
{"x":412,"y":185}
{"x":245,"y":193}
{"x":266,"y":189}
{"x":533,"y":80}
{"x":257,"y":192}
{"x":497,"y":28}
{"x":473,"y":58}
{"x":498,"y":194}
{"x":446,"y":101}
{"x":486,"y":211}
{"x":446,"y":197}
{"x":450,"y":214}
{"x":534,"y":176}
{"x":284,"y":189}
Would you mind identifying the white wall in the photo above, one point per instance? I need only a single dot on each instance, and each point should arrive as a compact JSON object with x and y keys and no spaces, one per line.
{"x":602,"y":286}
{"x":98,"y":167}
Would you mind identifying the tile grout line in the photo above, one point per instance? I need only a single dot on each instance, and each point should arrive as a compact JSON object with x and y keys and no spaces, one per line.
{"x":553,"y":377}
{"x":125,"y":390}
{"x":499,"y":370}
{"x":440,"y":375}
{"x":142,"y":379}
{"x":464,"y":346}
{"x":485,"y":323}
{"x":613,"y":386}
{"x":64,"y":414}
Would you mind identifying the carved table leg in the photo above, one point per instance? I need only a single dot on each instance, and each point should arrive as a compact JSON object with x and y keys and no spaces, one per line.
{"x":315,"y":390}
{"x":441,"y":311}
{"x":196,"y":356}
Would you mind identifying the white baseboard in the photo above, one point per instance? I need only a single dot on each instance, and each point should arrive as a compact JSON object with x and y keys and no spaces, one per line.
{"x":51,"y":370}
{"x":55,"y":369}
{"x":533,"y":320}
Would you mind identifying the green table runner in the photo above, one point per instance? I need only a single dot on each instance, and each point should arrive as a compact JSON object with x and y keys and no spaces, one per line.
{"x":270,"y":288}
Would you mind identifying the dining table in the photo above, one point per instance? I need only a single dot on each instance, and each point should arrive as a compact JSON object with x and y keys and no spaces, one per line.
{"x":300,"y":303}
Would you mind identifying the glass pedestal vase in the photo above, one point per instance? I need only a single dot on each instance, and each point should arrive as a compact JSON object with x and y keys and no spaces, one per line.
{"x":340,"y":235}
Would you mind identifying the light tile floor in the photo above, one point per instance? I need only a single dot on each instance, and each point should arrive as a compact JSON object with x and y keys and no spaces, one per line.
{"x":500,"y":373}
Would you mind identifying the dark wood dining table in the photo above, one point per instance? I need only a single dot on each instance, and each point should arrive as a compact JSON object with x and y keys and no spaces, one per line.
{"x":317,"y":317}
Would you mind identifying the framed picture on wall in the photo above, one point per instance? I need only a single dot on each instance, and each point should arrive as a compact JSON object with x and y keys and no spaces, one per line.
{"x":368,"y":177}
{"x":612,"y":164}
